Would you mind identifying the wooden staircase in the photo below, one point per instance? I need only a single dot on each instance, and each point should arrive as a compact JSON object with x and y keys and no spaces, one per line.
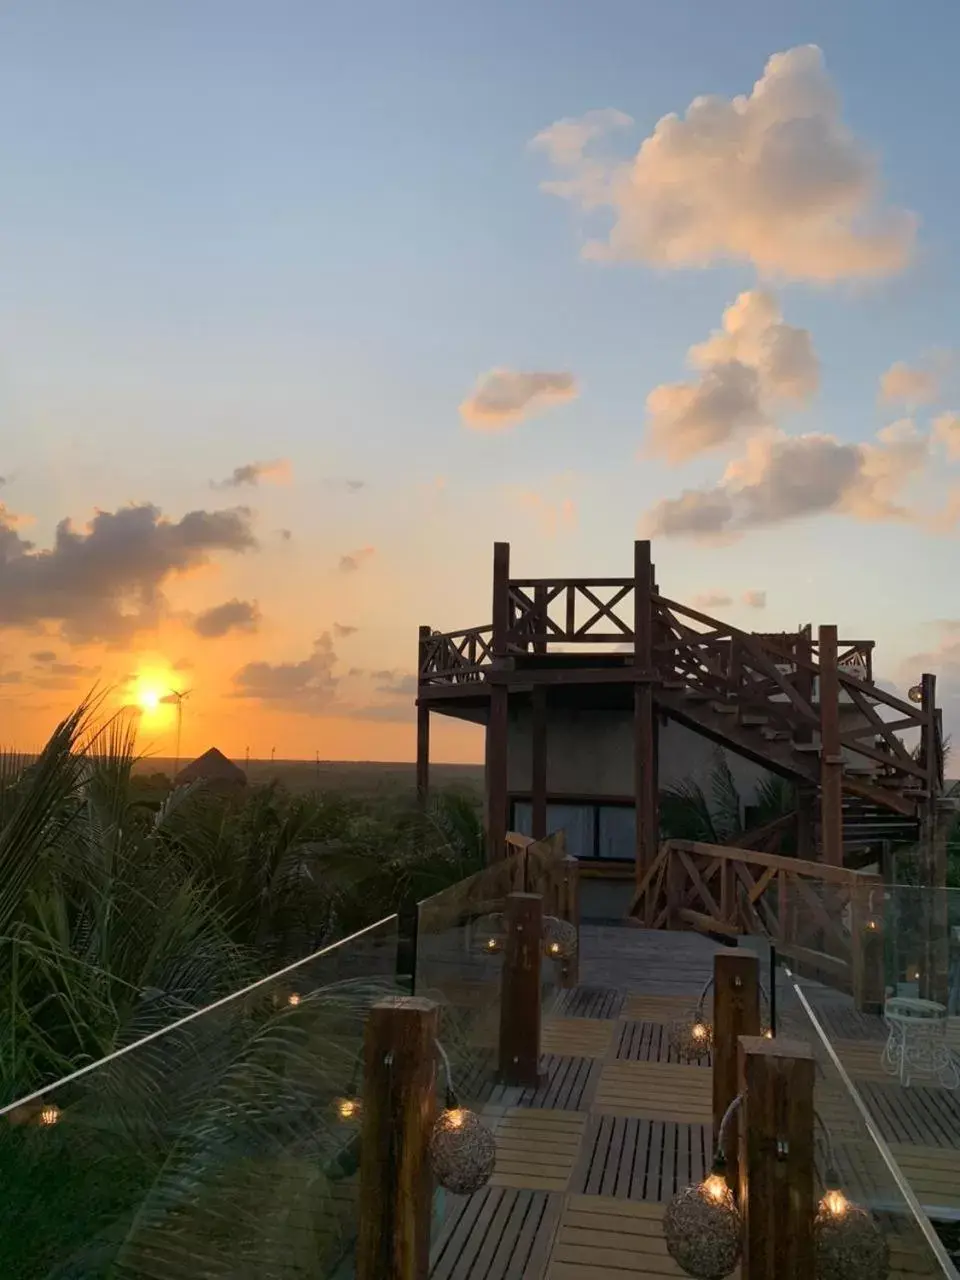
{"x":804,"y":715}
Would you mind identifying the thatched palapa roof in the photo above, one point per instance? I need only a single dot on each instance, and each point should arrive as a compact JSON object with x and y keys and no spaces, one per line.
{"x":213,"y":766}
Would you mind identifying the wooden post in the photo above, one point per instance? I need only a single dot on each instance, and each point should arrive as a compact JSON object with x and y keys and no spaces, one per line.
{"x":736,"y":1013}
{"x":867,"y":944}
{"x":399,"y":1103}
{"x":831,"y":756}
{"x":644,"y":724}
{"x":498,"y":722}
{"x":934,"y":966}
{"x":540,"y":608}
{"x":569,"y":910}
{"x":538,"y":762}
{"x":776,"y":1159}
{"x":520,"y":991}
{"x":423,"y":726}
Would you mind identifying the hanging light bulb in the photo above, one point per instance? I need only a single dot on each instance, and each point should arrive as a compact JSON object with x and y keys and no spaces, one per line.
{"x":490,"y":932}
{"x":463,"y":1150}
{"x":849,"y":1244}
{"x":48,"y":1115}
{"x":348,"y":1108}
{"x":559,"y":938}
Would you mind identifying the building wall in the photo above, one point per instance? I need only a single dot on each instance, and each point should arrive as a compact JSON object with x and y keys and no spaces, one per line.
{"x":590,"y":753}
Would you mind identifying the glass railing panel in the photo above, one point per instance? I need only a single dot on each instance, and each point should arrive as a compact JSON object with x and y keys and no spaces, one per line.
{"x":868,"y":1132}
{"x":226,"y":1145}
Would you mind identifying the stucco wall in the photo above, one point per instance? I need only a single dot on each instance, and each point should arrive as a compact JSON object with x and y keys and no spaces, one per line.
{"x":590,"y":753}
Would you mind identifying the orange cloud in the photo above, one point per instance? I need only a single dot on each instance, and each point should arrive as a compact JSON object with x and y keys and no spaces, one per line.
{"x":553,"y":516}
{"x":774,"y":178}
{"x":353,"y":560}
{"x":751,"y":366}
{"x":904,"y":384}
{"x":251,"y":473}
{"x":504,"y":397}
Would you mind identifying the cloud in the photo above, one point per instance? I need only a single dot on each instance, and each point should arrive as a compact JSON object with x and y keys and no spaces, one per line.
{"x":106,"y":582}
{"x":10,"y":677}
{"x":232,"y":615}
{"x":43,"y":657}
{"x":355,"y":485}
{"x":755,"y":599}
{"x":552,"y":516}
{"x":285,"y":534}
{"x":774,"y":178}
{"x":396,"y":683}
{"x":748,"y":369}
{"x":352,"y":561}
{"x":781,"y":478}
{"x":308,"y":686}
{"x":712,"y":600}
{"x":341,"y":630}
{"x":251,"y":473}
{"x":504,"y":397}
{"x":946,"y":429}
{"x":902,"y":384}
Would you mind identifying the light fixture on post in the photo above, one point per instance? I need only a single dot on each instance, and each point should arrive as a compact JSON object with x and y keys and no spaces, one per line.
{"x":559,"y":938}
{"x":489,"y":932}
{"x":349,"y":1105}
{"x":702,"y":1225}
{"x":691,"y":1038}
{"x":848,"y":1242}
{"x":463,"y":1150}
{"x":915,"y":693}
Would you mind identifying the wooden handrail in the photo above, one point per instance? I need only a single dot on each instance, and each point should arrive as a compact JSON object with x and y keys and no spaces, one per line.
{"x":775,"y":861}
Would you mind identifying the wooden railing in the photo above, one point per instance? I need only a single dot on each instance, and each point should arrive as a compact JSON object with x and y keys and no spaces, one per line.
{"x":828,"y":921}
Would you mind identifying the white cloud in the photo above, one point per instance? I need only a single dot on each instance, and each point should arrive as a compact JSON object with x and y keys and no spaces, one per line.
{"x":712,"y":600}
{"x":504,"y":397}
{"x":748,"y":369}
{"x":755,"y":599}
{"x":774,"y":178}
{"x":906,"y":385}
{"x":780,"y":478}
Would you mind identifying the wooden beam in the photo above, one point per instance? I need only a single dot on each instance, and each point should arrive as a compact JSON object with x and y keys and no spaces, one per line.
{"x":569,"y":910}
{"x":399,"y":1101}
{"x":495,"y":773}
{"x":520,"y":991}
{"x":644,"y":721}
{"x":831,"y":758}
{"x":736,"y":1013}
{"x":777,"y":1159}
{"x":541,"y":603}
{"x":538,"y":762}
{"x":806,"y":821}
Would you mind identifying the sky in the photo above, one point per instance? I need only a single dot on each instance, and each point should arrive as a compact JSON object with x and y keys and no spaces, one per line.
{"x":302,"y":307}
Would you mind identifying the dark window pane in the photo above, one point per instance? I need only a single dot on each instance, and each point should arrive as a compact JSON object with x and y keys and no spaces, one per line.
{"x":618,"y":838}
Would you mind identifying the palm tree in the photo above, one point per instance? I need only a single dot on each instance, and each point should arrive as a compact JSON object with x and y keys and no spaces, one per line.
{"x":686,"y":813}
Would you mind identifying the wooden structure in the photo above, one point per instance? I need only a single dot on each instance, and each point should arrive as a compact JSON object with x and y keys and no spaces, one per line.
{"x":615,"y":655}
{"x":588,"y":1161}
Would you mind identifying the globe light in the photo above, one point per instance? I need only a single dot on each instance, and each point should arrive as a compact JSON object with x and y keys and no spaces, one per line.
{"x":348,"y":1108}
{"x":490,"y":932}
{"x":703,"y":1229}
{"x":848,"y":1242}
{"x":463,"y":1150}
{"x":559,"y":938}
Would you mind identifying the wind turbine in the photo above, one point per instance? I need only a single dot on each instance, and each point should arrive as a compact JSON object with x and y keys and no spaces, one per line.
{"x":177,"y":696}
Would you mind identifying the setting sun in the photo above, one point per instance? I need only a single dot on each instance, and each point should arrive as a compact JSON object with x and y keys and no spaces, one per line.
{"x":148,"y":699}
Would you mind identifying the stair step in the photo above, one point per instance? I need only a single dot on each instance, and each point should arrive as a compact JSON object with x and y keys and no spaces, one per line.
{"x":750,"y":719}
{"x":697,"y":695}
{"x":672,"y":684}
{"x":725,"y":708}
{"x":807,"y":748}
{"x":775,"y":735}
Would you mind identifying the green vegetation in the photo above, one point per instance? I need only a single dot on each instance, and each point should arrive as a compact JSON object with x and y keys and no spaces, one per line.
{"x":686,"y":812}
{"x":120,"y":912}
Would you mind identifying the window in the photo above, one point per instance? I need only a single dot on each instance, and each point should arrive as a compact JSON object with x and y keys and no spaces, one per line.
{"x":605,"y":831}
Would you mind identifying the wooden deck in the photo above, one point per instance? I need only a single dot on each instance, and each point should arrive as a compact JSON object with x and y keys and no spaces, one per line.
{"x":587,"y":1162}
